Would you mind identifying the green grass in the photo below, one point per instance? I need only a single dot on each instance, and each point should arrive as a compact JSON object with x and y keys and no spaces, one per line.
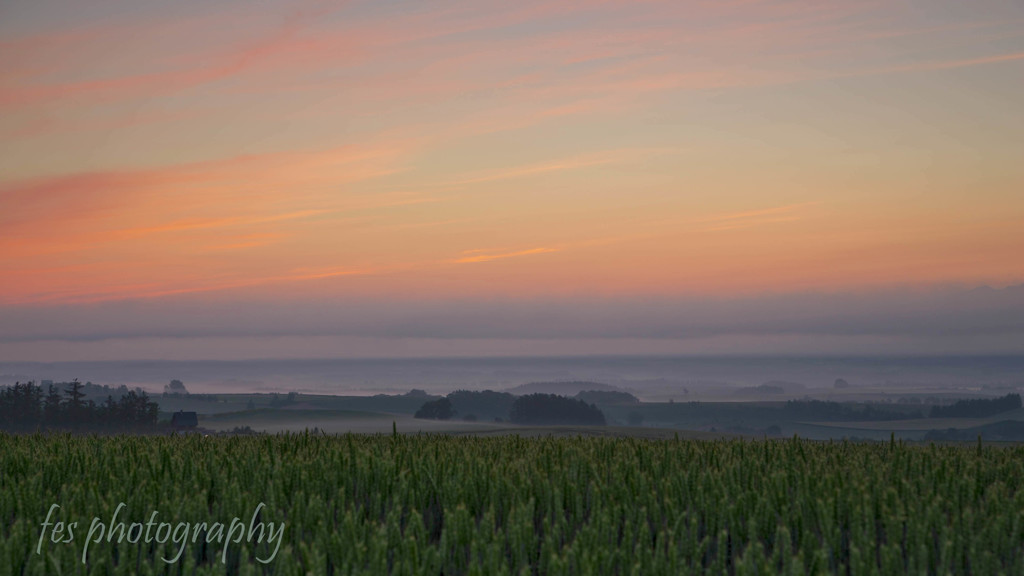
{"x":925,"y":424}
{"x":273,"y":415}
{"x":342,"y":421}
{"x":438,"y":504}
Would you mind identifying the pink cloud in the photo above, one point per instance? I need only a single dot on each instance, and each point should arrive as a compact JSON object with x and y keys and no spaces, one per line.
{"x":435,"y":36}
{"x":73,"y":212}
{"x":477,"y":257}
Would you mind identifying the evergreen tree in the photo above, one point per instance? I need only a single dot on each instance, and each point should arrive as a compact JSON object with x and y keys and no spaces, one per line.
{"x":74,"y":404}
{"x":51,"y":406}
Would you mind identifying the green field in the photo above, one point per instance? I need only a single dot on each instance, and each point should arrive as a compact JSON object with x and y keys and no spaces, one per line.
{"x":441,"y":504}
{"x":345,"y":421}
{"x":925,"y":424}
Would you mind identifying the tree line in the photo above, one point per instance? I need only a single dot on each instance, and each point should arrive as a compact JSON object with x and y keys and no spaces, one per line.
{"x":840,"y":411}
{"x":529,"y":409}
{"x":27,"y":407}
{"x":977,"y":407}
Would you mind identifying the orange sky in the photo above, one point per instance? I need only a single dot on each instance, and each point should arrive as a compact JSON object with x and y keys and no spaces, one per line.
{"x":476,"y":150}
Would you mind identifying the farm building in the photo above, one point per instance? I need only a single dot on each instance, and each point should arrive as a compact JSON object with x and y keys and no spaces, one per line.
{"x":182,"y":420}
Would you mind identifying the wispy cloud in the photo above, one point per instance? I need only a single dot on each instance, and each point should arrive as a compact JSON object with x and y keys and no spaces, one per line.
{"x":215,"y":67}
{"x":948,"y":64}
{"x":531,"y":170}
{"x":245,"y":242}
{"x":476,"y":256}
{"x":207,"y":223}
{"x":211,"y":219}
{"x":751,"y":223}
{"x":445,"y":40}
{"x":742,"y":218}
{"x":178,"y":287}
{"x":916,"y":66}
{"x":565,"y":164}
{"x":760,"y":213}
{"x":76,"y":210}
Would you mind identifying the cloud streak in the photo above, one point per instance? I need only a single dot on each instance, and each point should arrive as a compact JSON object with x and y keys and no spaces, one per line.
{"x":487,"y":256}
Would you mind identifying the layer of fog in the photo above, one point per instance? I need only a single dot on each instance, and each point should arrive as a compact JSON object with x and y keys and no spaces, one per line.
{"x":964,"y":316}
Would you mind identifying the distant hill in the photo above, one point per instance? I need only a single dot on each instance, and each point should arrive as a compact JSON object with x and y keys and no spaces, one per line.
{"x":977,"y":407}
{"x":1006,"y":430}
{"x":562,"y":388}
{"x":774,"y":387}
{"x":607,"y":397}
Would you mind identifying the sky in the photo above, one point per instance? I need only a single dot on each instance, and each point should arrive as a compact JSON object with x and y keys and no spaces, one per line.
{"x":229,"y":179}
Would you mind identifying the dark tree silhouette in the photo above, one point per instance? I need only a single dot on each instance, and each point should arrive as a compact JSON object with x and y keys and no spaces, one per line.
{"x":977,"y":407}
{"x":175,"y":387}
{"x":553,"y":409}
{"x":436,"y":410}
{"x":485,"y":405}
{"x":837,"y":411}
{"x":74,"y":404}
{"x":51,"y":405}
{"x":24,"y":408}
{"x":21,"y":406}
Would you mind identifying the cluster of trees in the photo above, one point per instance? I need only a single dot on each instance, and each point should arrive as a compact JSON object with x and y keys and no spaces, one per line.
{"x":500,"y":406}
{"x":487,"y":405}
{"x":277,"y":400}
{"x":436,"y":410}
{"x":175,"y":388}
{"x":977,"y":407}
{"x":26,"y":407}
{"x":554,"y":409}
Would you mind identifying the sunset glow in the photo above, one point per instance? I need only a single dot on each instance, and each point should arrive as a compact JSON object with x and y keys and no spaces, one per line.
{"x":286,"y":152}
